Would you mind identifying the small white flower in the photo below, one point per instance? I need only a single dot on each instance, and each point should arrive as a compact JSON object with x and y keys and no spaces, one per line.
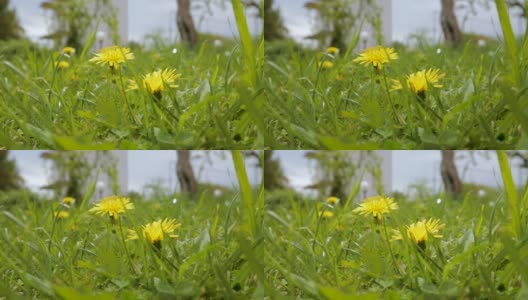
{"x":481,"y":193}
{"x":217,"y":43}
{"x":217,"y":193}
{"x":438,"y":51}
{"x":174,"y":51}
{"x":439,"y":200}
{"x":174,"y":201}
{"x":481,"y":43}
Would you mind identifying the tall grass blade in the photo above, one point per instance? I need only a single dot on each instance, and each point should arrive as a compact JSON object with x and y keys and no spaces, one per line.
{"x":509,"y":39}
{"x":245,"y":40}
{"x":511,"y":192}
{"x":245,"y":190}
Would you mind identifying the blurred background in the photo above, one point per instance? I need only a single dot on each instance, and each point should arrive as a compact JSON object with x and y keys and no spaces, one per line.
{"x":415,"y":174}
{"x":57,"y":174}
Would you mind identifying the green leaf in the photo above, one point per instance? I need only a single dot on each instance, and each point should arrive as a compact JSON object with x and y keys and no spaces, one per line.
{"x":245,"y":189}
{"x":333,"y":293}
{"x":509,"y":38}
{"x":68,"y":293}
{"x":511,"y":192}
{"x":245,"y":39}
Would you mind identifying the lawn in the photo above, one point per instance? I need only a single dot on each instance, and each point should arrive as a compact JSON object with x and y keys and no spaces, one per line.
{"x":326,"y":100}
{"x":60,"y":100}
{"x":470,"y":248}
{"x":214,"y":254}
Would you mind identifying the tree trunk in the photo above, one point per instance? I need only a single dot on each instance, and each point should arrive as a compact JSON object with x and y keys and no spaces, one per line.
{"x":185,"y":23}
{"x":448,"y":20}
{"x":185,"y":173}
{"x":448,"y":170}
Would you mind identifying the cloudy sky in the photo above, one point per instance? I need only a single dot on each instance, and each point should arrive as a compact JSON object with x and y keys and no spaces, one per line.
{"x":409,"y":16}
{"x":410,"y":167}
{"x":145,"y":17}
{"x":147,"y":167}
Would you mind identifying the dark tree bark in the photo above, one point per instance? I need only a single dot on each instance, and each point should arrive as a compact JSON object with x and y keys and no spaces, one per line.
{"x":185,"y":23}
{"x":449,"y":23}
{"x":448,"y":170}
{"x":185,"y":173}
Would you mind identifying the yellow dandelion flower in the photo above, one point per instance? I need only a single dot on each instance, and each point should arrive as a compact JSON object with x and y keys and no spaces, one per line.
{"x":157,"y":81}
{"x":332,"y":200}
{"x":68,"y":50}
{"x":377,"y":56}
{"x":113,"y":56}
{"x":421,"y":231}
{"x":332,"y":50}
{"x":377,"y":206}
{"x":62,"y":214}
{"x":339,"y":77}
{"x":326,"y":64}
{"x":326,"y":214}
{"x":62,"y":64}
{"x":68,"y":200}
{"x":420,"y":82}
{"x":112,"y":205}
{"x":156,"y":231}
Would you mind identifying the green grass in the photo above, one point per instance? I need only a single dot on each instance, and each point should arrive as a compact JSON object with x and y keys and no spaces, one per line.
{"x":216,"y":256}
{"x":85,"y":106}
{"x":482,"y":103}
{"x":483,"y":253}
{"x":309,"y":108}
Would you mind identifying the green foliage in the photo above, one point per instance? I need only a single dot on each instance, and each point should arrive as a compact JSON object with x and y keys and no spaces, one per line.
{"x":84,"y":256}
{"x":274,"y":177}
{"x":274,"y":28}
{"x":337,"y":20}
{"x":83,"y":106}
{"x":75,"y":19}
{"x":10,"y":179}
{"x":337,"y":169}
{"x":348,"y":106}
{"x":9,"y":25}
{"x":349,"y":256}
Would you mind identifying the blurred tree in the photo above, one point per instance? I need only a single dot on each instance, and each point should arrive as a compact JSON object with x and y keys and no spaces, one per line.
{"x":69,"y":171}
{"x":185,"y":173}
{"x":10,"y":179}
{"x":9,"y":25}
{"x":274,"y":177}
{"x":274,"y":28}
{"x":73,"y":20}
{"x":337,"y":19}
{"x":449,"y":173}
{"x":449,"y":23}
{"x":185,"y":23}
{"x":337,"y":169}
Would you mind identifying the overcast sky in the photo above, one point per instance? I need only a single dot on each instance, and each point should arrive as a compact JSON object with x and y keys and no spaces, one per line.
{"x":145,"y":17}
{"x":147,"y":167}
{"x":410,"y":167}
{"x":409,"y":16}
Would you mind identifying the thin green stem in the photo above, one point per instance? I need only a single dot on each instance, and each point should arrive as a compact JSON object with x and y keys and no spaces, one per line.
{"x":126,"y":97}
{"x":390,"y":248}
{"x":125,"y":246}
{"x":390,"y":97}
